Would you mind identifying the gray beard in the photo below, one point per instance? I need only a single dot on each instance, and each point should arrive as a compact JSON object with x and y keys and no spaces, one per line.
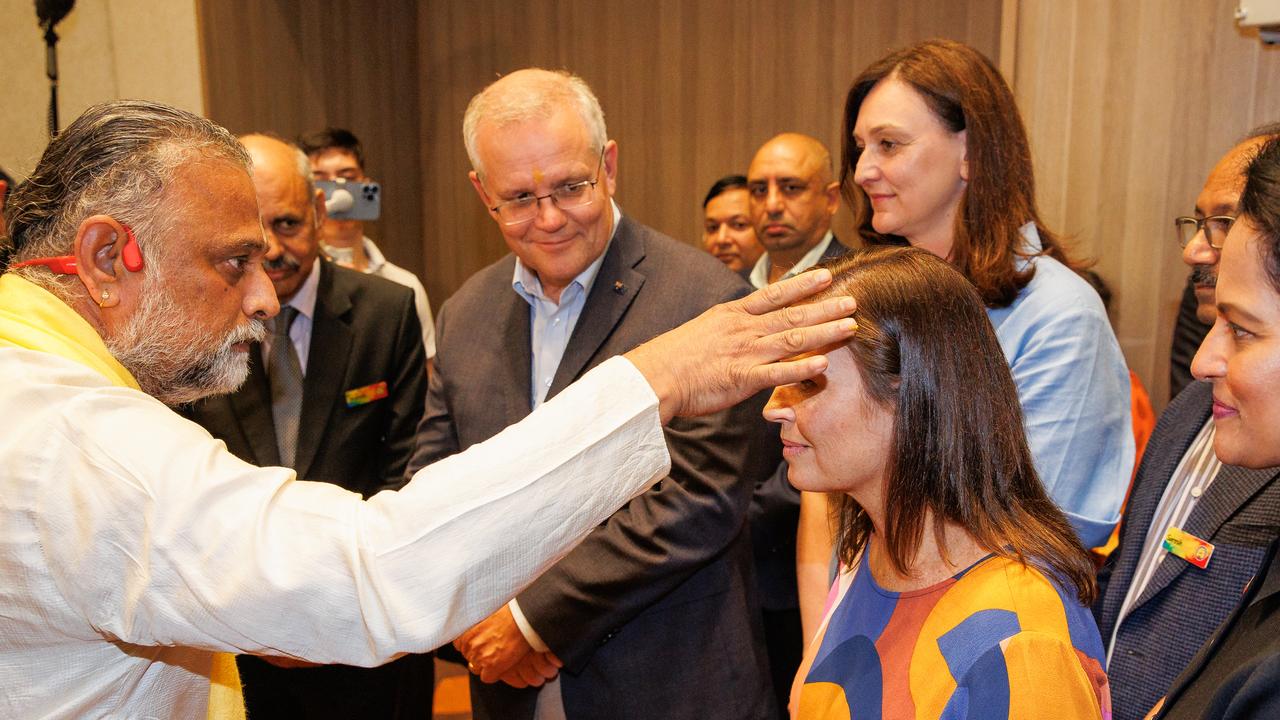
{"x":175,"y":362}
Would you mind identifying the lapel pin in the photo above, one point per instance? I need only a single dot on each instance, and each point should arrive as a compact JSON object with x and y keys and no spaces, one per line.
{"x":618,"y":287}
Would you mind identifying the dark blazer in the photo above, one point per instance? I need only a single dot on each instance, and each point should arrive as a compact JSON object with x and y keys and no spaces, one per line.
{"x":1182,"y":605}
{"x":1236,"y":675}
{"x":1188,"y":333}
{"x":775,"y":513}
{"x":365,"y":331}
{"x":654,"y":614}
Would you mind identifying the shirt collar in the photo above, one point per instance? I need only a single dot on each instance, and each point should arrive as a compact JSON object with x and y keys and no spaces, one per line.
{"x":373,"y":256}
{"x":526,"y":283}
{"x":304,"y":301}
{"x":760,"y":273}
{"x":1031,"y":246}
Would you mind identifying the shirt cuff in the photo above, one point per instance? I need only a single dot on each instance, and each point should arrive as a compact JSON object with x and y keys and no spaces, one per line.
{"x":530,"y":635}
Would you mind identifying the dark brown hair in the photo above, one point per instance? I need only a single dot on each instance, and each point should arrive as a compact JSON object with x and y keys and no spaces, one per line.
{"x":966,"y":92}
{"x":928,"y":353}
{"x":332,"y":138}
{"x":724,"y":185}
{"x":1260,"y":205}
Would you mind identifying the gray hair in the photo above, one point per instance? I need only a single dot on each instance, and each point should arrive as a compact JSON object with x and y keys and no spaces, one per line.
{"x":116,"y":159}
{"x":532,"y":94}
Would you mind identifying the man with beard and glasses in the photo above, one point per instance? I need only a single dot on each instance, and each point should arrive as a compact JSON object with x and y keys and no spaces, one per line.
{"x":1144,"y":592}
{"x":137,"y":552}
{"x":337,"y":396}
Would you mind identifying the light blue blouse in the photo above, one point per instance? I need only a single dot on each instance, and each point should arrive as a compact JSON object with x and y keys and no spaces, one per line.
{"x":1073,"y":384}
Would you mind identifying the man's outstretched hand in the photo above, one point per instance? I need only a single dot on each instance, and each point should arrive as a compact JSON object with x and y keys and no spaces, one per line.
{"x":736,"y":349}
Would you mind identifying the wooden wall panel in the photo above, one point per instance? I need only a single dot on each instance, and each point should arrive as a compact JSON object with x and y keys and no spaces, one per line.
{"x":291,"y":66}
{"x":1128,"y":105}
{"x":690,"y":89}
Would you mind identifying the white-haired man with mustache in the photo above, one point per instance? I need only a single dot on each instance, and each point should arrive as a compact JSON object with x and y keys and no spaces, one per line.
{"x":335,"y":391}
{"x":136,"y":551}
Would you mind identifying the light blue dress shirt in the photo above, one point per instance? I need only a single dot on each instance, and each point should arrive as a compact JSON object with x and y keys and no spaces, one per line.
{"x":551,"y":324}
{"x":1073,"y":385}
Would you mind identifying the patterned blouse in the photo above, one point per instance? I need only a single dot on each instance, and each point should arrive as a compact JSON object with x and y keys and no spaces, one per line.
{"x":997,"y":640}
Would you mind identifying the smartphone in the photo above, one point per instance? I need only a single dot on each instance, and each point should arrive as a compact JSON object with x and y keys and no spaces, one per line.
{"x":351,"y":200}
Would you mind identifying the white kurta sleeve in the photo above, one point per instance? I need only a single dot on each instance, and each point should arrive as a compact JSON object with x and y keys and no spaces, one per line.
{"x":157,"y":535}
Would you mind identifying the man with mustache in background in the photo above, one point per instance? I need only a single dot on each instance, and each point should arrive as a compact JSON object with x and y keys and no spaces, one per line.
{"x":335,"y":391}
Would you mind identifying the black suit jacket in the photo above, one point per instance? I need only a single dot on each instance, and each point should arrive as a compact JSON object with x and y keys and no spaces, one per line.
{"x":1182,"y":605}
{"x":654,"y":614}
{"x":361,"y":335}
{"x":1236,"y":675}
{"x":1188,"y":333}
{"x":365,"y":331}
{"x":775,"y":513}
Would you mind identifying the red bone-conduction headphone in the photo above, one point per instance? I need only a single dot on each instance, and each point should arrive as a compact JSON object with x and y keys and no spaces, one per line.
{"x":130,"y":256}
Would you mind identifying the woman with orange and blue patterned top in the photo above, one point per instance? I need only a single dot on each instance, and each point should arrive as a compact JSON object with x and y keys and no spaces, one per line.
{"x":965,"y":590}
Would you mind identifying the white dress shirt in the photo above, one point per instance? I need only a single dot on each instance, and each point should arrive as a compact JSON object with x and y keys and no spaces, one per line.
{"x":760,"y":273}
{"x":133,"y":545}
{"x":380,"y":266}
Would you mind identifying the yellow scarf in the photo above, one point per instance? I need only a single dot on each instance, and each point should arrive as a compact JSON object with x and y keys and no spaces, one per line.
{"x":34,"y":318}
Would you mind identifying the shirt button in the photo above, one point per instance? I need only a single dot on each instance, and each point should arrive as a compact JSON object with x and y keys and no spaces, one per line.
{"x":1196,"y":492}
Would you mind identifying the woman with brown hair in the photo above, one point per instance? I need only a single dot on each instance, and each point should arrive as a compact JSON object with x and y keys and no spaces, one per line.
{"x":964,"y":591}
{"x":935,"y":155}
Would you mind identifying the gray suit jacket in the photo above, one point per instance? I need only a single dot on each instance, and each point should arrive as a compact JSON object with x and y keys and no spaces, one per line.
{"x":654,"y":614}
{"x":1182,"y":605}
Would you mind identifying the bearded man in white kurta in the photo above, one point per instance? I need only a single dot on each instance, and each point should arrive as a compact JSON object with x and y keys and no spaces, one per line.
{"x":136,"y":551}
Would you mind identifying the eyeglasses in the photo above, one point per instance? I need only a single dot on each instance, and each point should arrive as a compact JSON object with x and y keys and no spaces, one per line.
{"x":566,"y":197}
{"x":1215,"y":229}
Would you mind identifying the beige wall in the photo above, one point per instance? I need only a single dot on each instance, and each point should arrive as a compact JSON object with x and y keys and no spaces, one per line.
{"x":107,"y":50}
{"x":1129,"y":104}
{"x":690,"y":88}
{"x":293,"y":66}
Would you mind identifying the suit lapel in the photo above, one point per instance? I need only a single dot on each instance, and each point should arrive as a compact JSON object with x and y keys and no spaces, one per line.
{"x":327,"y":358}
{"x":515,"y":366}
{"x":616,"y":286}
{"x":251,"y":405}
{"x":1157,"y":469}
{"x":1231,"y":489}
{"x":1180,"y":425}
{"x":834,"y":250}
